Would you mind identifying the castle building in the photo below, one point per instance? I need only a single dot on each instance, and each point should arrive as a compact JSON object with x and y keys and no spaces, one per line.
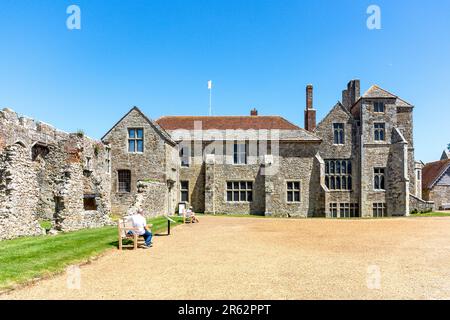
{"x":357,"y":162}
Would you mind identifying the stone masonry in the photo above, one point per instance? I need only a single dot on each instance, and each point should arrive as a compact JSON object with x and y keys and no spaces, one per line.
{"x":47,"y":174}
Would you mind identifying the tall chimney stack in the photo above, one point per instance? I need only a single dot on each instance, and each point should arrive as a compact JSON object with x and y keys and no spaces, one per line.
{"x":310,"y":112}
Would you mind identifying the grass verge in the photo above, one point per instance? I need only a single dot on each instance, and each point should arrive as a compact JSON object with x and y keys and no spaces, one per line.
{"x":28,"y":258}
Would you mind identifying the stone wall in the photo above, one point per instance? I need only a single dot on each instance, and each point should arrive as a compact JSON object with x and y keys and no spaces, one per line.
{"x":57,"y":171}
{"x":152,"y":197}
{"x":418,"y":205}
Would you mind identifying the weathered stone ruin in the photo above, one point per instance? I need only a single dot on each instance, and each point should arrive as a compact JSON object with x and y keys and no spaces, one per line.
{"x":47,"y":174}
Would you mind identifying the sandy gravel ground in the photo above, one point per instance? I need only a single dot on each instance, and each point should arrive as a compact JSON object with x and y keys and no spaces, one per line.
{"x":252,"y":258}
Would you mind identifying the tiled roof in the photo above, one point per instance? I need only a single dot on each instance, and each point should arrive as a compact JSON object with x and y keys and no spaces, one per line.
{"x":233,"y":135}
{"x":431,"y":172}
{"x":226,"y":122}
{"x":275,"y":127}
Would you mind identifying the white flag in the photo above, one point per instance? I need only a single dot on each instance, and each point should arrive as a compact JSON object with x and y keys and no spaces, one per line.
{"x":209,"y":84}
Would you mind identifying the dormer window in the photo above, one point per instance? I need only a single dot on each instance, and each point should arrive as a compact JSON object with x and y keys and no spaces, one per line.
{"x":378,"y":107}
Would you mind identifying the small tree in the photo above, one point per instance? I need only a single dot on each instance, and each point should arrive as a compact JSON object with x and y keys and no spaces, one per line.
{"x":448,"y":147}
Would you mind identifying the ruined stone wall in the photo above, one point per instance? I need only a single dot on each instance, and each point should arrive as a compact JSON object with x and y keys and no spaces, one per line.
{"x":54,"y":164}
{"x":152,"y":197}
{"x":18,"y":194}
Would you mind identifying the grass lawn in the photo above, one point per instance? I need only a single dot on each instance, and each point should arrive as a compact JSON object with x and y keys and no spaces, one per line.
{"x":432,"y":214}
{"x":24,"y":259}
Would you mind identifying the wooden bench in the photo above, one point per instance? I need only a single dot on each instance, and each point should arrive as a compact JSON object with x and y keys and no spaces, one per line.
{"x":124,"y":226}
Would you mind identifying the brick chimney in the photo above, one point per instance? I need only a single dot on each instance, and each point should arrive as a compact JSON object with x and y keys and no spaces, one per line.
{"x":254,"y":112}
{"x":310,"y":112}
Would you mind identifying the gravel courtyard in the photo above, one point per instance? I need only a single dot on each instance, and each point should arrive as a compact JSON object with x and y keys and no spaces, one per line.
{"x":256,"y":258}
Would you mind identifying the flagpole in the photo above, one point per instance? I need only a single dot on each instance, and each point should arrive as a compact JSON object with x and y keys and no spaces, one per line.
{"x":210,"y":97}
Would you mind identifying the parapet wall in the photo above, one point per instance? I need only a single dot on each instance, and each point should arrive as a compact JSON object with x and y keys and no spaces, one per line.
{"x":48,"y":174}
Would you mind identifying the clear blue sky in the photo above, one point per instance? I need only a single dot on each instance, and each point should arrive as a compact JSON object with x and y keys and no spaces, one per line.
{"x":159,"y":55}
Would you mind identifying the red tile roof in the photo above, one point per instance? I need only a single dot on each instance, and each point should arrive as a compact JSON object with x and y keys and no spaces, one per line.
{"x":431,"y":172}
{"x":226,"y":122}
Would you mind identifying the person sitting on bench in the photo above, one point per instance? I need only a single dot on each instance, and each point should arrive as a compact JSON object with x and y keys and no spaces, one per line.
{"x":140,"y":223}
{"x":190,"y":213}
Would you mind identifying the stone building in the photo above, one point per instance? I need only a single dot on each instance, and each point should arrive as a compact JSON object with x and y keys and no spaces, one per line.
{"x":436,"y":183}
{"x":145,"y":166}
{"x":47,"y":174}
{"x":357,"y":162}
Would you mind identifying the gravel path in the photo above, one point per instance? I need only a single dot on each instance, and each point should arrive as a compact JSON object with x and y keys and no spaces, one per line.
{"x":253,"y":258}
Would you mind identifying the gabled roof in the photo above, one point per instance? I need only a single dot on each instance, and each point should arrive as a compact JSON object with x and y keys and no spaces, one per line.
{"x":377,"y":92}
{"x":157,"y":128}
{"x":226,"y":122}
{"x":445,"y":155}
{"x":337,"y":105}
{"x":432,"y":172}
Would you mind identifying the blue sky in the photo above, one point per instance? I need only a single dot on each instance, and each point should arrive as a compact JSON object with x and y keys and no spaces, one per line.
{"x":159,"y":55}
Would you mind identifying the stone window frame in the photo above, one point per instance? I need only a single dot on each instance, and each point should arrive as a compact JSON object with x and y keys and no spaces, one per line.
{"x":380,"y":173}
{"x":236,"y":153}
{"x":293,"y":191}
{"x":379,"y":210}
{"x":338,"y":133}
{"x":379,"y":129}
{"x":248,"y":191}
{"x":119,"y":189}
{"x":135,"y":139}
{"x":333,"y":206}
{"x":379,"y":105}
{"x":184,"y":190}
{"x":346,"y":176}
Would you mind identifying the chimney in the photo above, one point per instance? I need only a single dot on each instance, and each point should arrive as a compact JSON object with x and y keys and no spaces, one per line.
{"x":254,"y":112}
{"x":352,"y":94}
{"x":310,"y":112}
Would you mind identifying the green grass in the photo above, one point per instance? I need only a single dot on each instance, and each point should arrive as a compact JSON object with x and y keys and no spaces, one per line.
{"x":24,"y":259}
{"x":432,"y":214}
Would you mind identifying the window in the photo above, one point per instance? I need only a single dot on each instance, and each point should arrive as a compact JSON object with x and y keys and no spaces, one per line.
{"x":419,"y":175}
{"x":240,"y":153}
{"x":378,"y":179}
{"x":338,"y":174}
{"x":185,"y":156}
{"x":349,"y":210}
{"x":293,"y":191}
{"x":89,"y":202}
{"x":379,"y":130}
{"x":379,"y":210}
{"x":108,"y":160}
{"x":124,"y":180}
{"x":338,"y":130}
{"x":239,"y":191}
{"x":333,"y":210}
{"x":378,"y":106}
{"x":136,"y":140}
{"x":184,"y":188}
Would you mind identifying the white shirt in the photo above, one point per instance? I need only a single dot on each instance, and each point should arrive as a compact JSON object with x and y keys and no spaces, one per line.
{"x":139,"y":222}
